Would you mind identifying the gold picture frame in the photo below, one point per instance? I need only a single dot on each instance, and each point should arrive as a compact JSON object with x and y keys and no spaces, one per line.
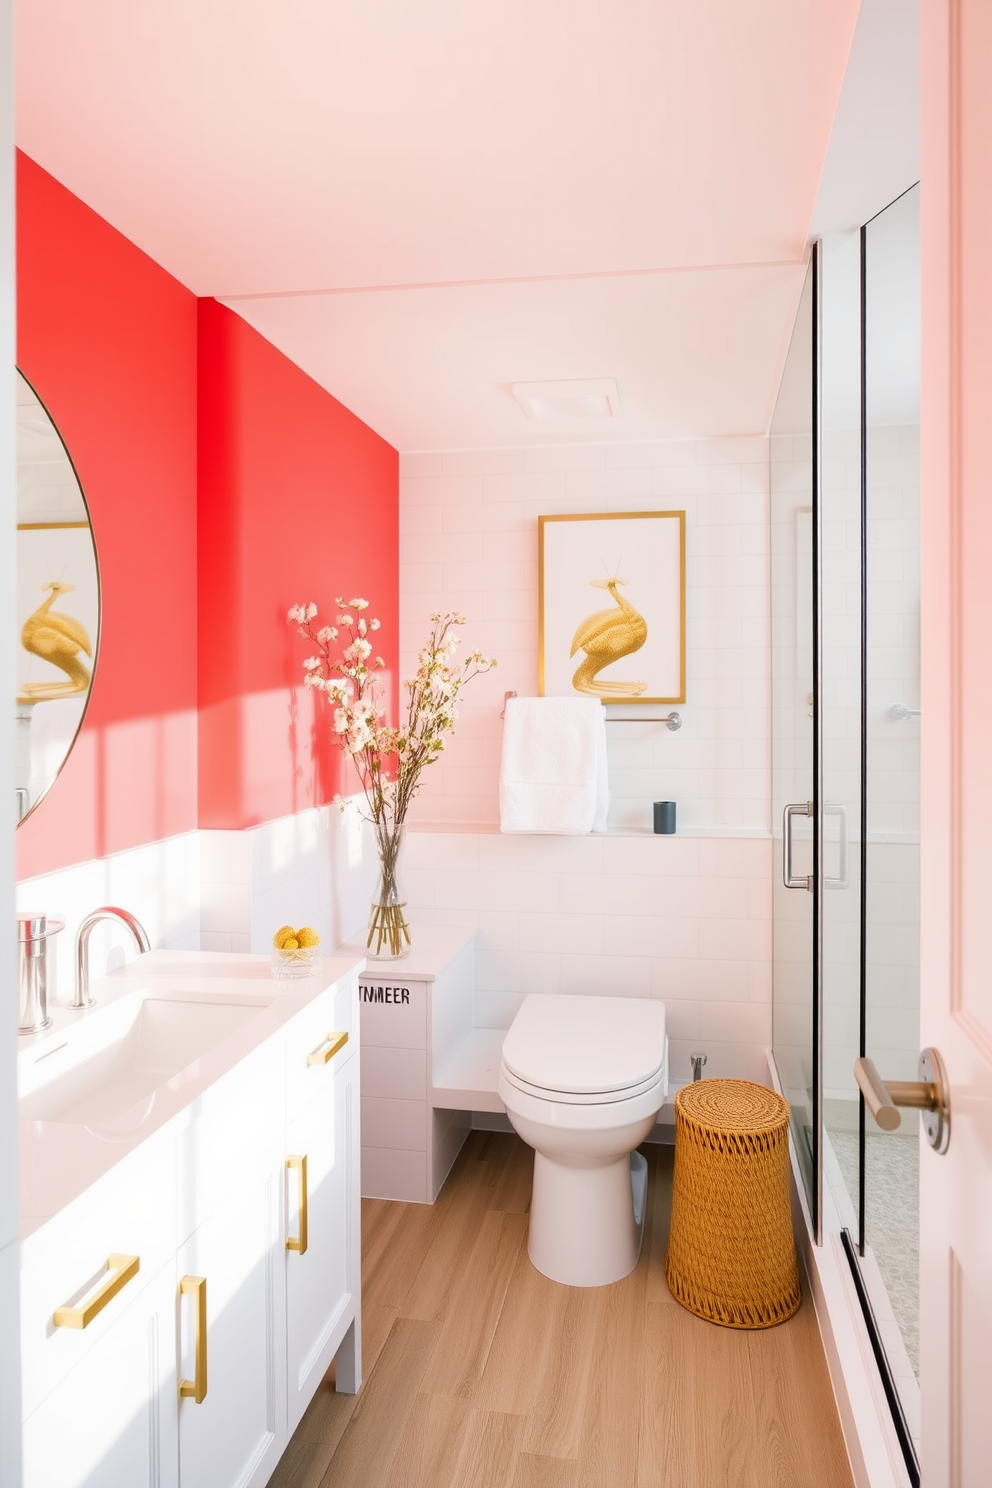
{"x":645,"y":558}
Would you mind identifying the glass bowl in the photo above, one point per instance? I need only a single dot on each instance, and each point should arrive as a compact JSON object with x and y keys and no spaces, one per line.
{"x":289,"y":965}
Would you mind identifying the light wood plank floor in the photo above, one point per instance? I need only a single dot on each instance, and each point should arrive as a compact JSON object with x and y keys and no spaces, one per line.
{"x":481,"y":1373}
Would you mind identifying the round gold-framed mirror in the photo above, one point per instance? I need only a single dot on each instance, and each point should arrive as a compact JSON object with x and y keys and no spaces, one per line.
{"x":57,"y":616}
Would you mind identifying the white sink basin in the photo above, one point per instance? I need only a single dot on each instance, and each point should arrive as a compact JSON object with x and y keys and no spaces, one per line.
{"x":118,"y":1056}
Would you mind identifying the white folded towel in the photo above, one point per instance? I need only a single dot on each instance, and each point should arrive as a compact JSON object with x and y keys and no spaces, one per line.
{"x":554,"y":774}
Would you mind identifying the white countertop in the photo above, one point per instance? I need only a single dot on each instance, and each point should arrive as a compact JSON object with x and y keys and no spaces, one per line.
{"x":433,"y":947}
{"x":59,"y":1160}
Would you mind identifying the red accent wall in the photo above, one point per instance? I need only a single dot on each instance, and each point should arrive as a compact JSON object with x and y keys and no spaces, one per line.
{"x":298,"y":502}
{"x":108,"y":340}
{"x":224,"y":485}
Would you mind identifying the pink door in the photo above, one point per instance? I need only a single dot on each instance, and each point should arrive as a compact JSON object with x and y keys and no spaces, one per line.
{"x":956,"y":885}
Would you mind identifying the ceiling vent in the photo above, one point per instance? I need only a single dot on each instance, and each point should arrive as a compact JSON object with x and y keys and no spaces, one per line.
{"x":581,"y":398}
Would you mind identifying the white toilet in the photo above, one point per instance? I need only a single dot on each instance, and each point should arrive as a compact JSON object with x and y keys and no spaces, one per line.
{"x":583,"y":1079}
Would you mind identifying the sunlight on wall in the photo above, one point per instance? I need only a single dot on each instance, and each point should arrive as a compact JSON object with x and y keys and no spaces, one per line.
{"x":124,"y":783}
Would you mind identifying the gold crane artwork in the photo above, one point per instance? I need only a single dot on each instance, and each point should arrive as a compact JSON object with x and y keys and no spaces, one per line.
{"x":606,"y":637}
{"x":58,"y":639}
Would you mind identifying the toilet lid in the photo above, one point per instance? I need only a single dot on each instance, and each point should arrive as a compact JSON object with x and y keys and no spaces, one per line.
{"x":586,"y":1045}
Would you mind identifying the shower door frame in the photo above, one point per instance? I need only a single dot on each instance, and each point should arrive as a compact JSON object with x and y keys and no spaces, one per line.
{"x":853,"y":1247}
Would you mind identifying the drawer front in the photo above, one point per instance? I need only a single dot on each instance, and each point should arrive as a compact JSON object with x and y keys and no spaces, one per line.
{"x":113,"y":1419}
{"x":397,"y":1074}
{"x":130,"y":1211}
{"x":394,"y":1012}
{"x":234,"y":1126}
{"x":311,"y":1036}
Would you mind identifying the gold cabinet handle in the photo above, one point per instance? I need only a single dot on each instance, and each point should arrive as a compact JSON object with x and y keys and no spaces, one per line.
{"x":196,"y":1388}
{"x":120,"y":1269}
{"x":326,"y":1050}
{"x":299,"y":1244}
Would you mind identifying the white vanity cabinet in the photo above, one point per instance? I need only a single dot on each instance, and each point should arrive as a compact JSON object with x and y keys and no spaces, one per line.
{"x":203,"y":1359}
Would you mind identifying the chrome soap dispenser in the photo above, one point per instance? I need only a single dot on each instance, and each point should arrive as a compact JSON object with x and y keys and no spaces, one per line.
{"x":33,"y":931}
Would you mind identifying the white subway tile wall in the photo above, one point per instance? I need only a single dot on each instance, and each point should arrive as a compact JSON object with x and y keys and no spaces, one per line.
{"x":468,"y":542}
{"x":681,"y":918}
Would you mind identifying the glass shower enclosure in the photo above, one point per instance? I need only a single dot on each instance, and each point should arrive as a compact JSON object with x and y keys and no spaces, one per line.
{"x":844,"y":483}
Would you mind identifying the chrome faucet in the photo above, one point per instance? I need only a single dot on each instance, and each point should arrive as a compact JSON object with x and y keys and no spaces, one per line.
{"x":82,"y":998}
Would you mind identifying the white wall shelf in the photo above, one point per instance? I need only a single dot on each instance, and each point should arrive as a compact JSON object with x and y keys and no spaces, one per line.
{"x":469,"y":1080}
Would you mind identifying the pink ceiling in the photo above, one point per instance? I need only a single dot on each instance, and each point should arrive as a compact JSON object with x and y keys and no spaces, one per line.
{"x":308,"y":146}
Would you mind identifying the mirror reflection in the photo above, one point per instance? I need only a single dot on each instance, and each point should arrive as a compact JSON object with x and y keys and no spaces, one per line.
{"x":58,"y":602}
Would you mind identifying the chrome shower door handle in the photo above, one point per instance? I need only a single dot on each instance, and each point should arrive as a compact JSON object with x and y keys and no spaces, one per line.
{"x":843,"y":879}
{"x":791,"y":881}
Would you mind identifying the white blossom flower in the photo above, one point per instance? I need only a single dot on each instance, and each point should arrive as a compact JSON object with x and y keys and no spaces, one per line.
{"x":389,"y":760}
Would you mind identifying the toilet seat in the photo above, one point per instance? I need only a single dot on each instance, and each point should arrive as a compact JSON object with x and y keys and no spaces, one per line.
{"x":586,"y":1050}
{"x":587,"y":1098}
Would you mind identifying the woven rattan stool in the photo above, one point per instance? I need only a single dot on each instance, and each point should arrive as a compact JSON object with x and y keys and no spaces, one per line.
{"x":732,"y":1257}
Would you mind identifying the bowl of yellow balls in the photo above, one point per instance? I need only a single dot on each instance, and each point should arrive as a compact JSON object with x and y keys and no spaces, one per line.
{"x":295,"y":953}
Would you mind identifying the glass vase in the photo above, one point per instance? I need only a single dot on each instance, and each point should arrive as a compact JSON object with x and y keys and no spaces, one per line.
{"x":389,"y":933}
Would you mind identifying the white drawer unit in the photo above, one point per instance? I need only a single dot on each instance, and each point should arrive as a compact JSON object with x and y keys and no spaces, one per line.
{"x":179,"y":1312}
{"x":318,"y":1042}
{"x":418,"y":1035}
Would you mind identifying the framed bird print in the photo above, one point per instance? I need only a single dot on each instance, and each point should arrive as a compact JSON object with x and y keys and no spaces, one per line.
{"x":611,"y":607}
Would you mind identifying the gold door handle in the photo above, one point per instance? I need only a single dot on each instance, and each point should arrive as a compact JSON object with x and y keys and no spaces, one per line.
{"x":326,"y":1050}
{"x":120,"y":1270}
{"x":929,"y":1095}
{"x":299,"y":1244}
{"x":196,"y":1388}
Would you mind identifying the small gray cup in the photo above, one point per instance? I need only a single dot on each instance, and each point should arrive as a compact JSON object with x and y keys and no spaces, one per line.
{"x":664,"y":817}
